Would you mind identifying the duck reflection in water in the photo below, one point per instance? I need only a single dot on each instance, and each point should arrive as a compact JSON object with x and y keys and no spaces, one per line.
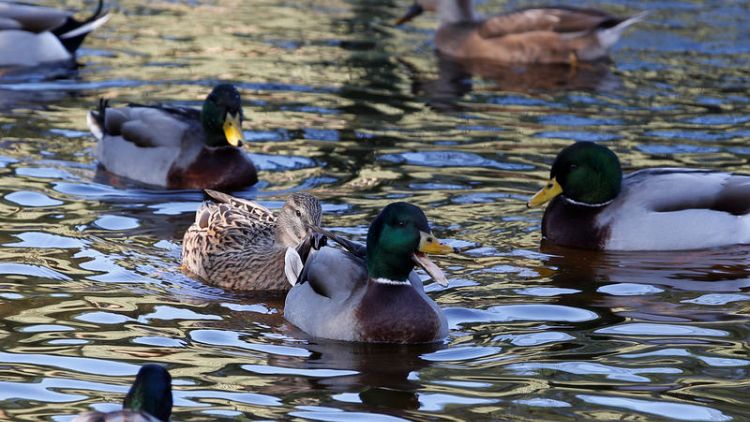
{"x":382,"y":374}
{"x":627,"y":285}
{"x":535,"y":48}
{"x":455,"y":79}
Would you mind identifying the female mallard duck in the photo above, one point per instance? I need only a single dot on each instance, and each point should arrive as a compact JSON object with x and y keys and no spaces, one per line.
{"x":239,"y":244}
{"x":542,"y":35}
{"x":174,"y":147}
{"x":32,"y":35}
{"x":149,"y":399}
{"x":594,"y":207}
{"x":377,"y":298}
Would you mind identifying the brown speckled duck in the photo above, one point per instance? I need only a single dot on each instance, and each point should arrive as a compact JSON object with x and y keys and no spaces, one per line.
{"x":541,"y":35}
{"x":176,"y":147}
{"x":239,"y":244}
{"x":149,"y":399}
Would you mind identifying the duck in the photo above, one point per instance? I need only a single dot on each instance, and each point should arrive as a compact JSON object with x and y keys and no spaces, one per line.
{"x":535,"y":35}
{"x":593,"y":206}
{"x":176,"y":147}
{"x":32,"y":35}
{"x":370,"y":294}
{"x":239,"y":244}
{"x":149,"y":399}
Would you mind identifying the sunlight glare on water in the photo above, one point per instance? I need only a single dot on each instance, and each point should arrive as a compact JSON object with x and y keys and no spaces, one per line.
{"x":341,"y":103}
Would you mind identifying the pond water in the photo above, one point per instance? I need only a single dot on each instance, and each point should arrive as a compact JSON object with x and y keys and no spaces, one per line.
{"x":339,"y":102}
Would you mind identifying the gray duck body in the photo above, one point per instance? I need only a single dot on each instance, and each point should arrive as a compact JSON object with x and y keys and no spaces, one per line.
{"x":336,"y":299}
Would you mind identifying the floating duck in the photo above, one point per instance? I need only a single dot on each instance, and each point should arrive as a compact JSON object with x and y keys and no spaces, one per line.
{"x":539,"y":35}
{"x":239,"y":244}
{"x":594,"y":207}
{"x":373,"y":295}
{"x":149,"y":399}
{"x":32,"y":35}
{"x":176,"y":147}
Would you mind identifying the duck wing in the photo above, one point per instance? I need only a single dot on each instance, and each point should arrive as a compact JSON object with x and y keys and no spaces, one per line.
{"x":251,"y":209}
{"x":675,"y":189}
{"x":31,"y":18}
{"x":673,"y":209}
{"x":233,"y":225}
{"x":333,"y":273}
{"x":555,"y":19}
{"x":355,"y":248}
{"x":146,"y":126}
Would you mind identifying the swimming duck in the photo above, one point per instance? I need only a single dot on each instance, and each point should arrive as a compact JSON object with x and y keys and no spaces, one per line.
{"x":541,"y":35}
{"x":149,"y":399}
{"x":594,"y":207}
{"x":239,"y":244}
{"x":31,"y":35}
{"x":377,"y":298}
{"x":175,"y":147}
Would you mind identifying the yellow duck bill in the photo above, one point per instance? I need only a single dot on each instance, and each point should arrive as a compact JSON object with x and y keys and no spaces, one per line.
{"x":233,"y":130}
{"x":545,"y":194}
{"x":428,"y":243}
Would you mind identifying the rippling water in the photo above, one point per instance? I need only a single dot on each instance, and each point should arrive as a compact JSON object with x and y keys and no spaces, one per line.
{"x":341,"y":103}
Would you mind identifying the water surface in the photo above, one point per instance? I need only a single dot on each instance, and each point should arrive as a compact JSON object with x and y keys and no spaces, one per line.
{"x":341,"y":103}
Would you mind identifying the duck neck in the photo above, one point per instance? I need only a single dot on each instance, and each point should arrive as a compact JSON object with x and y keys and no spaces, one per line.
{"x":388,"y":268}
{"x":455,"y":11}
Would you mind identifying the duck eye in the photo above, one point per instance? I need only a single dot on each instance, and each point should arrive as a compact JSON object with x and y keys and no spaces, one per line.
{"x":401,"y":223}
{"x":299,"y":213}
{"x":573,"y":166}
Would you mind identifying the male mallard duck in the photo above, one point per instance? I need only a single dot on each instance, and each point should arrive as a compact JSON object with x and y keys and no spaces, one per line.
{"x":149,"y":399}
{"x":594,"y":207}
{"x":542,"y":35}
{"x":31,"y":35}
{"x":176,"y":147}
{"x":240,"y":244}
{"x":376,"y":298}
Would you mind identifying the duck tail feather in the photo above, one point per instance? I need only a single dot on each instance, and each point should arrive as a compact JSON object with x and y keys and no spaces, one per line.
{"x":96,"y":119}
{"x":608,"y":36}
{"x":219,"y":197}
{"x":73,"y":32}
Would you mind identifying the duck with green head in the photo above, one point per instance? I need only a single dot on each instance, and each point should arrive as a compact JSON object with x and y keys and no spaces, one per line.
{"x":593,"y":206}
{"x":176,"y":147}
{"x":372,"y":295}
{"x":149,"y":399}
{"x":34,"y":35}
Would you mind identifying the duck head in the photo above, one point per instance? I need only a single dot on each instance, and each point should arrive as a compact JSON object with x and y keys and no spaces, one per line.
{"x":449,"y":11}
{"x":221,"y":117}
{"x":151,"y":392}
{"x":400,"y":237}
{"x":585,"y":173}
{"x":299,"y":216}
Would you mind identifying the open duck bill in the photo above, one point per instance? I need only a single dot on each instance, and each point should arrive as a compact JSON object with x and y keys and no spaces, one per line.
{"x":233,"y":129}
{"x":415,"y":10}
{"x":545,"y":194}
{"x":429,"y":244}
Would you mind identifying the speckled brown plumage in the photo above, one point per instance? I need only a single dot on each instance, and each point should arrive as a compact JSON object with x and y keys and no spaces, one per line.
{"x":239,"y":244}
